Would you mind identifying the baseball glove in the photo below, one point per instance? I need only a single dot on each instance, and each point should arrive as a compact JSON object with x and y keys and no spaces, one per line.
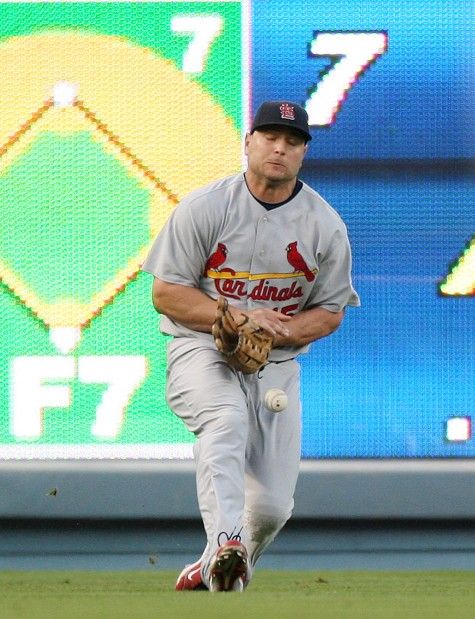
{"x":244,"y":344}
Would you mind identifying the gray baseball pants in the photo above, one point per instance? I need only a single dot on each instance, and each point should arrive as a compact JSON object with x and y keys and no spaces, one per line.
{"x":247,"y":457}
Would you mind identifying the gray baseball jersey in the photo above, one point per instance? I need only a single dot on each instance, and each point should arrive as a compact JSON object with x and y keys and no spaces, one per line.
{"x":221,"y":240}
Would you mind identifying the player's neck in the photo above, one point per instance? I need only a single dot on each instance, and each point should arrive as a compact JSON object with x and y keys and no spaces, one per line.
{"x":269,"y":191}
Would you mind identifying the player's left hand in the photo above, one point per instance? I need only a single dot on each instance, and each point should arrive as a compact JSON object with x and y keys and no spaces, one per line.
{"x":244,"y":343}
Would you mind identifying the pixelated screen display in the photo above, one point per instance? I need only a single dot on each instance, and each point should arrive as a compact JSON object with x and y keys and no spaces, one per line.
{"x":111,"y":112}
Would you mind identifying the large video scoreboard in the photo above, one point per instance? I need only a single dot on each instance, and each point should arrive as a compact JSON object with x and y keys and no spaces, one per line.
{"x":110,"y":112}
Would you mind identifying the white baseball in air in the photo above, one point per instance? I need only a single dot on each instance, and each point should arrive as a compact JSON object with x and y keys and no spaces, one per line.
{"x":276,"y":400}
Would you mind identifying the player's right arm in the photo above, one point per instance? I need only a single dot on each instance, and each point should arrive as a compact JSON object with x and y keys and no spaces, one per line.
{"x":186,"y":305}
{"x":194,"y":309}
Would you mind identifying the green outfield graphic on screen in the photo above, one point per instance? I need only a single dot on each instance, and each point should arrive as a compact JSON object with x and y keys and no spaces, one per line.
{"x":110,"y":113}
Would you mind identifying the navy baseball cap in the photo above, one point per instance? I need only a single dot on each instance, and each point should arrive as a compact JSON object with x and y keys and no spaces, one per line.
{"x":283,"y":113}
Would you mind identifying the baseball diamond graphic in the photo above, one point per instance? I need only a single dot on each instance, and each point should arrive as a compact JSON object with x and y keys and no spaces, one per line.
{"x":30,"y":136}
{"x":103,"y":125}
{"x":91,"y":123}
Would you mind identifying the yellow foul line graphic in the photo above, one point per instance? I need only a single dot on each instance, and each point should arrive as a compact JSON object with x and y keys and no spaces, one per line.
{"x":25,"y":126}
{"x":125,"y":150}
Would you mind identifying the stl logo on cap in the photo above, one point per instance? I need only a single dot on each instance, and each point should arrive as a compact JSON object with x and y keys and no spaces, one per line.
{"x":287,"y":111}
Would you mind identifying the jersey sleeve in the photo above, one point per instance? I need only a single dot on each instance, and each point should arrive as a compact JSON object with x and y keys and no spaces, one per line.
{"x":178,"y":254}
{"x":333,"y":289}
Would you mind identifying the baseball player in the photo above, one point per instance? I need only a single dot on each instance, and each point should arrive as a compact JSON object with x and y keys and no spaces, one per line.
{"x":280,"y":256}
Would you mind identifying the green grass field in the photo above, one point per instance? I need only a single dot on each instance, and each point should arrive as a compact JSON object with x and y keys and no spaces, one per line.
{"x":272,"y":594}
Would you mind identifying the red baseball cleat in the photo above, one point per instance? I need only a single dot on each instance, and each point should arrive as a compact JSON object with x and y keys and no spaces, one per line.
{"x":190,"y":578}
{"x":229,"y":570}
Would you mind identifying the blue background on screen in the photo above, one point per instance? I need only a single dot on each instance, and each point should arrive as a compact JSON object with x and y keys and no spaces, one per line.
{"x":415,"y":101}
{"x":403,"y":363}
{"x":385,"y":384}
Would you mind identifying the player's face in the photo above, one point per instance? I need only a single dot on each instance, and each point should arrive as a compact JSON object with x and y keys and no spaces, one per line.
{"x":275,"y":154}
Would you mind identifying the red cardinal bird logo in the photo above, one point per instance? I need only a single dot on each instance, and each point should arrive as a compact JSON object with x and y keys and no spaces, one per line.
{"x":217,"y":258}
{"x":296,"y":260}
